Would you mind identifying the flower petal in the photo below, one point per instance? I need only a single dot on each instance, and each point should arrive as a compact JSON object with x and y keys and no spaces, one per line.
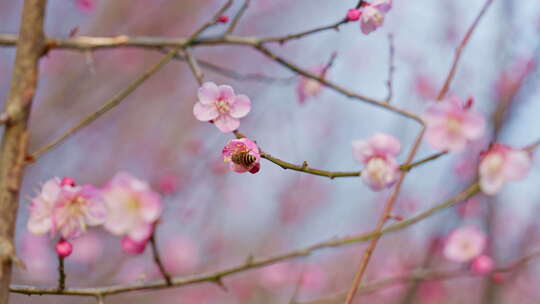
{"x":208,"y":93}
{"x":205,"y":112}
{"x":517,"y":164}
{"x":240,"y":107}
{"x":226,"y":123}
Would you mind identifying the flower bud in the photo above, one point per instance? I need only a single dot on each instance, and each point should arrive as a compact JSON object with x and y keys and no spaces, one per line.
{"x":63,"y":248}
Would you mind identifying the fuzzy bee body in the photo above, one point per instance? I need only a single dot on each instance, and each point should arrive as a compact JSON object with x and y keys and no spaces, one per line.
{"x":243,"y":158}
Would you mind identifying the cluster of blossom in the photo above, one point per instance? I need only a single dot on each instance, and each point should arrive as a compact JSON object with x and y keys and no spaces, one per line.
{"x":125,"y":206}
{"x":451,"y":125}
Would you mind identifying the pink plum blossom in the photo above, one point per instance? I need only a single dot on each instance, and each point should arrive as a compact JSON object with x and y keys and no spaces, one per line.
{"x":181,"y":255}
{"x":222,"y":106}
{"x":310,"y":88}
{"x":61,"y":206}
{"x":500,"y":164}
{"x":243,"y":155}
{"x":133,"y":207}
{"x":378,"y":155}
{"x":464,"y":244}
{"x":451,"y":124}
{"x":373,"y":15}
{"x":482,"y":264}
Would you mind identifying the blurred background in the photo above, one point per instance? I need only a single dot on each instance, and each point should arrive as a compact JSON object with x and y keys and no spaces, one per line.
{"x":215,"y":218}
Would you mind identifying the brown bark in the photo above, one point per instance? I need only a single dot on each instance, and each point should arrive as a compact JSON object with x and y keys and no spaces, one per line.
{"x":30,"y":47}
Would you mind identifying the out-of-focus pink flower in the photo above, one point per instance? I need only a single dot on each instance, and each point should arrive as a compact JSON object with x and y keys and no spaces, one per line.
{"x":86,"y":6}
{"x":373,"y":15}
{"x":181,"y":255}
{"x":310,"y":88}
{"x":133,"y":247}
{"x":88,"y":249}
{"x":464,"y":244}
{"x":511,"y":79}
{"x":222,"y":106}
{"x":424,"y":87}
{"x":500,"y":164}
{"x":313,"y":279}
{"x":378,"y":155}
{"x":169,"y":184}
{"x":353,"y":14}
{"x":63,"y":248}
{"x":482,"y":264}
{"x":68,"y":209}
{"x":243,"y":155}
{"x":451,"y":124}
{"x":133,"y":207}
{"x":276,"y":276}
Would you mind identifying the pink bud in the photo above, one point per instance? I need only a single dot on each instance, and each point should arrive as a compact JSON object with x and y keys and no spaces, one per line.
{"x":67,"y":181}
{"x":223,"y":19}
{"x":133,"y":247}
{"x":63,"y":248}
{"x":469,"y":103}
{"x":498,"y":278}
{"x":353,"y":14}
{"x":482,"y":264}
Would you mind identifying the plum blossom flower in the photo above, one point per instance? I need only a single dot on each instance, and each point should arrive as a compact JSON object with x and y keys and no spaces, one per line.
{"x":451,"y":124}
{"x":65,"y":208}
{"x":243,"y":155}
{"x":310,"y":88}
{"x":464,"y":244}
{"x":133,"y":208}
{"x":373,"y":15}
{"x":222,"y":106}
{"x":500,"y":164}
{"x":378,"y":155}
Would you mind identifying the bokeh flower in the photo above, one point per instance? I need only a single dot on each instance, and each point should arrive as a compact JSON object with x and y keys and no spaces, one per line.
{"x":451,"y":124}
{"x":310,"y":88}
{"x":482,"y":264}
{"x":222,"y":106}
{"x":243,"y":155}
{"x":378,"y":155}
{"x":133,"y":207}
{"x":501,"y":164}
{"x":65,"y":208}
{"x":464,"y":244}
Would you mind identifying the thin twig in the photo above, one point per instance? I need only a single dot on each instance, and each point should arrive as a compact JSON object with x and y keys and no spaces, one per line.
{"x":109,"y":105}
{"x":391,"y":68}
{"x":250,"y":262}
{"x":237,"y":17}
{"x":194,"y":67}
{"x":212,"y":21}
{"x":387,"y":213}
{"x":423,"y":275}
{"x":157,"y":260}
{"x":61,"y":274}
{"x":283,"y":39}
{"x":459,"y":51}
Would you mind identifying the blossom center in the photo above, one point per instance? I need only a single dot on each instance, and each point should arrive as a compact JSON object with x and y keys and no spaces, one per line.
{"x":312,"y":87}
{"x":222,"y":106}
{"x":494,"y":163}
{"x":453,"y":125}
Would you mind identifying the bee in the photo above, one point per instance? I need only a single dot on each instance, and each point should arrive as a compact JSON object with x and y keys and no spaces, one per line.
{"x":243,"y":158}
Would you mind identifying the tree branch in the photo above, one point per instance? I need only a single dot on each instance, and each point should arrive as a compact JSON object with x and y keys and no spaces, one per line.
{"x":30,"y":46}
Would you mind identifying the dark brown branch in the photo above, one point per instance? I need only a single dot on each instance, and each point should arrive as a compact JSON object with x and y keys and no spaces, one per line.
{"x":391,"y":68}
{"x":24,"y":81}
{"x":61,"y":274}
{"x":157,"y":260}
